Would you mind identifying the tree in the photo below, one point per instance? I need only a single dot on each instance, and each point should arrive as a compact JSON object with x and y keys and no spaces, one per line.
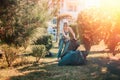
{"x":98,"y":24}
{"x":20,"y":18}
{"x":22,"y":21}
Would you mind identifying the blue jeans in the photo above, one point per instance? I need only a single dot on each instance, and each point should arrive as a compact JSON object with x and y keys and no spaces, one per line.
{"x":63,"y":47}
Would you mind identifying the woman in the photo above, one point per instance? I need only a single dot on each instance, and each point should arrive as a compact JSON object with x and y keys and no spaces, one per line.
{"x":65,"y":40}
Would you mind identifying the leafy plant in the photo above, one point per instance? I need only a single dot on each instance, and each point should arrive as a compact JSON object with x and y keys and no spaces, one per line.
{"x":97,"y":24}
{"x":10,"y":54}
{"x":38,"y":51}
{"x":20,"y":18}
{"x":45,"y":40}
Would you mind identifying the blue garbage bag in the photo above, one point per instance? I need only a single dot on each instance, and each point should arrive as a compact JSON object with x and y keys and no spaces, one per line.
{"x":73,"y":58}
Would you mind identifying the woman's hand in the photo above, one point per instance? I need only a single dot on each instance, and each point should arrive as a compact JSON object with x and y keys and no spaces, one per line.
{"x":75,"y":38}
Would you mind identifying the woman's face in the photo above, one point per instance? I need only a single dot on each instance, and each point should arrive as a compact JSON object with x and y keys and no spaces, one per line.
{"x":65,"y":24}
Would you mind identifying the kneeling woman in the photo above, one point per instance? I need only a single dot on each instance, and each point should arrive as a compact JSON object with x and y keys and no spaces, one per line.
{"x":65,"y":40}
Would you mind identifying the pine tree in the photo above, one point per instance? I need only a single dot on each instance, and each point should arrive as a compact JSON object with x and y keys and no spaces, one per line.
{"x":19,"y":19}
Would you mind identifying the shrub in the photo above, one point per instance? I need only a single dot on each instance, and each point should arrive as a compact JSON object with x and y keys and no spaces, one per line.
{"x":97,"y":24}
{"x":45,"y":40}
{"x":38,"y":51}
{"x":9,"y":54}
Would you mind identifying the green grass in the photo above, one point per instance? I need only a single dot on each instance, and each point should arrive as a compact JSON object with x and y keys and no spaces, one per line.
{"x":48,"y":69}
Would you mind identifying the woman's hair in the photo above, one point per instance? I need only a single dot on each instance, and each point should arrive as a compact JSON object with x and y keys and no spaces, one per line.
{"x":65,"y":23}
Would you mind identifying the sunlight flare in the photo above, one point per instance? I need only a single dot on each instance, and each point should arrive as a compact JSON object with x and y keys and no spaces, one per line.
{"x":92,"y":3}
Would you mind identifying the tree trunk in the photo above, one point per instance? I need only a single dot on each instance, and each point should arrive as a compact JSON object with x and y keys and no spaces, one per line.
{"x":58,"y":30}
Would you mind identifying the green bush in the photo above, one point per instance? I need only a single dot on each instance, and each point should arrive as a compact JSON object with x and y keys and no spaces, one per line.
{"x":9,"y":54}
{"x":38,"y":51}
{"x":44,"y":40}
{"x":97,"y":24}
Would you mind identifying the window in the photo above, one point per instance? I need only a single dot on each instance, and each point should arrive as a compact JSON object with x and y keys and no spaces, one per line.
{"x":71,"y":6}
{"x":54,"y":21}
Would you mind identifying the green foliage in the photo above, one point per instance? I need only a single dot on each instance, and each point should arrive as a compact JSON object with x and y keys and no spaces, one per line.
{"x":10,"y":54}
{"x":20,"y":18}
{"x":38,"y":51}
{"x":96,"y":24}
{"x":45,"y":40}
{"x":14,"y":27}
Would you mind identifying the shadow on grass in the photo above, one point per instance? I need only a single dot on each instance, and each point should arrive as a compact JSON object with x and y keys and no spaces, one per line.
{"x":107,"y":69}
{"x":104,"y":51}
{"x":96,"y":69}
{"x":41,"y":72}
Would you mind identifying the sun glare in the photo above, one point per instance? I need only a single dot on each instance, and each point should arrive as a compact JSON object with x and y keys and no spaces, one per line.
{"x":92,"y":3}
{"x":111,"y":7}
{"x":110,"y":4}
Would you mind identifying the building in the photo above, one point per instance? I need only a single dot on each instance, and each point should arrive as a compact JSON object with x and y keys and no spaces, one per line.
{"x":52,"y":28}
{"x":68,"y":7}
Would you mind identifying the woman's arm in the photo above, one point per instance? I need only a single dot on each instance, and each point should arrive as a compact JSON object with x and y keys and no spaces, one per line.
{"x":71,"y":31}
{"x":64,"y":34}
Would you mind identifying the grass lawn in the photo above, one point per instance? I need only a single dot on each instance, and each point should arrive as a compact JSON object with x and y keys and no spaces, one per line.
{"x":98,"y":67}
